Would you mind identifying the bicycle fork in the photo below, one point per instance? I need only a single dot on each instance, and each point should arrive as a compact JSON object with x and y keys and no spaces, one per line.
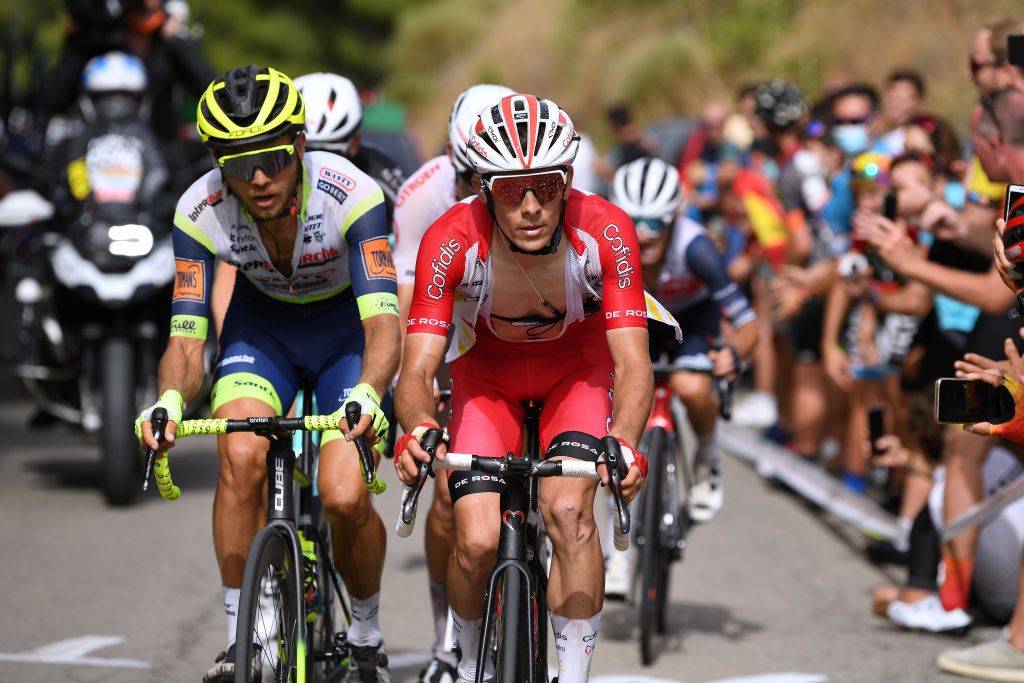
{"x":512,"y":558}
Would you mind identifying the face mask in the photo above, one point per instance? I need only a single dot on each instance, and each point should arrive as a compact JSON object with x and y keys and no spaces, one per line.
{"x":851,"y":137}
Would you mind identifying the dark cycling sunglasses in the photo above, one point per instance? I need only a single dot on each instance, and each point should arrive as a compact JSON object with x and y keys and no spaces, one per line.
{"x":650,"y":227}
{"x":978,"y":66}
{"x":271,"y":161}
{"x":511,"y":189}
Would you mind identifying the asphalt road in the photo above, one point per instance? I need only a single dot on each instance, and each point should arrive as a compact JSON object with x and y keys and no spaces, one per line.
{"x":770,"y":592}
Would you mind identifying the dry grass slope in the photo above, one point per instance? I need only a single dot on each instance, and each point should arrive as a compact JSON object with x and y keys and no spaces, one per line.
{"x":667,"y":57}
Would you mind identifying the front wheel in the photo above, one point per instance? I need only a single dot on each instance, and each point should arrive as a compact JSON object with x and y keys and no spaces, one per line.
{"x":120,"y":460}
{"x":270,"y":615}
{"x":653,"y":563}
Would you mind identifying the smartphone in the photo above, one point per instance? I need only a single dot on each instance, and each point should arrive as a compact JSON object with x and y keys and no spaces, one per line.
{"x":1015,"y":49}
{"x":1013,"y":232}
{"x":969,"y":400}
{"x":876,"y":427}
{"x":889,"y":205}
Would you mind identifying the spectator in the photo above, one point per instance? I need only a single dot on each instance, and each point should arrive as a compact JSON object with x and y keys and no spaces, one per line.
{"x":630,"y":143}
{"x":174,"y":65}
{"x":901,"y":101}
{"x":1007,"y":75}
{"x":852,"y":111}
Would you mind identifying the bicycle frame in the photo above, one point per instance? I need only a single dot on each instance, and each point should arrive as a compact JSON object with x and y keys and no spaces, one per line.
{"x":518,"y":551}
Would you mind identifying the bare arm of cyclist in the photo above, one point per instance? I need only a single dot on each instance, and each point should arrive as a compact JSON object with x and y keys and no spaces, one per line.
{"x":181,"y":370}
{"x":380,"y":362}
{"x":414,"y":396}
{"x":634,"y":392}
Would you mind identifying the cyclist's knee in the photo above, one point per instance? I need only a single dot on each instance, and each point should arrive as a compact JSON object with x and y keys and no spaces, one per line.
{"x":691,"y":387}
{"x":346,"y":502}
{"x":243,"y":465}
{"x":569,"y":517}
{"x":476,"y":547}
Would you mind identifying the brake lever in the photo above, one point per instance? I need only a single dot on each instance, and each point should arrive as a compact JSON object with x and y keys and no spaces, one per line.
{"x":159,"y":421}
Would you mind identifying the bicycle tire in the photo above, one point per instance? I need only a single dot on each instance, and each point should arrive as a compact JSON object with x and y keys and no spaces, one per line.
{"x":509,"y":617}
{"x":277,"y":627}
{"x":651,"y":556}
{"x":320,"y":632}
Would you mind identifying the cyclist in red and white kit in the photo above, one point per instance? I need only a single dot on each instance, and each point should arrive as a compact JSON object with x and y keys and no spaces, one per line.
{"x":423,"y":198}
{"x":550,"y":307}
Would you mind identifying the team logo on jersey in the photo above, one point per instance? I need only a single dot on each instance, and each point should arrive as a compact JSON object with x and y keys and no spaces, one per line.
{"x":313,"y":258}
{"x":339,"y":179}
{"x":623,"y":269}
{"x":212,"y":200}
{"x":377,"y":259}
{"x":330,"y":188}
{"x":440,"y":266}
{"x":189,"y":281}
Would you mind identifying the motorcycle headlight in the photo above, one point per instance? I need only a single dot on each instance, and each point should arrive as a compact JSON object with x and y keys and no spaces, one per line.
{"x":130,"y":239}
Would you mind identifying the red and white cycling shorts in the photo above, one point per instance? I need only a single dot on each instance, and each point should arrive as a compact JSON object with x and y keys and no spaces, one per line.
{"x":570,"y":376}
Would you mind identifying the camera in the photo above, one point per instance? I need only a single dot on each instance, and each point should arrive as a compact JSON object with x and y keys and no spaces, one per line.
{"x":853,"y":264}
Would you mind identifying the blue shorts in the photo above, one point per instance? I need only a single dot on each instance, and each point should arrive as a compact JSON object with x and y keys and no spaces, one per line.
{"x":266,"y":346}
{"x":701,"y":326}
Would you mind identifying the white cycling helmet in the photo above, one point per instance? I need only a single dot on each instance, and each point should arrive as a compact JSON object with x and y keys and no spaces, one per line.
{"x":522,"y":133}
{"x":114,"y":72}
{"x":333,"y":110}
{"x":647,"y":188}
{"x":465,"y":114}
{"x":113,"y":88}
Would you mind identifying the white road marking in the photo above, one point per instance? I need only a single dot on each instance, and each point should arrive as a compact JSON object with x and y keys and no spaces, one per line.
{"x":764,"y":678}
{"x":73,"y":651}
{"x":777,"y":678}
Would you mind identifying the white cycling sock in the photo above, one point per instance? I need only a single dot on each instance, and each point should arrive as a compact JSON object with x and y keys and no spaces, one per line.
{"x":365,"y":627}
{"x":575,"y":640}
{"x":467,"y":631}
{"x":439,"y":606}
{"x":231,"y":611}
{"x":707,"y":449}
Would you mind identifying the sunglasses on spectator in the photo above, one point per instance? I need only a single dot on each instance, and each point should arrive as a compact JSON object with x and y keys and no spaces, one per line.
{"x":851,"y":121}
{"x":978,"y":66}
{"x":511,"y":189}
{"x":271,"y":161}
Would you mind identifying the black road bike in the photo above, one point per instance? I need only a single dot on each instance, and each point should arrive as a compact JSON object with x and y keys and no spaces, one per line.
{"x":292,"y":603}
{"x":514,"y":632}
{"x":664,"y":517}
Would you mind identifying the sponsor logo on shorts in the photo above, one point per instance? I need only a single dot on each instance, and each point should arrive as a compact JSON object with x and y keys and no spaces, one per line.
{"x":189,"y":280}
{"x":240,"y":358}
{"x":212,"y":200}
{"x":623,"y":269}
{"x":378,"y":261}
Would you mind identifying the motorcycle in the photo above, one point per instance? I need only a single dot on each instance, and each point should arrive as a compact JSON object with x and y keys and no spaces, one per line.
{"x":91,"y":305}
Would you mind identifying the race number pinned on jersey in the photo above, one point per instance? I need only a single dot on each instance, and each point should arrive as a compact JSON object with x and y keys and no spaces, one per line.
{"x":189,"y":281}
{"x":377,"y":259}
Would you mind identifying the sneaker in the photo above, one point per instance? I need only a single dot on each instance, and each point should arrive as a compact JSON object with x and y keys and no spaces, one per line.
{"x":439,"y":670}
{"x":223,"y":669}
{"x":367,"y":664}
{"x":995,"y":660}
{"x":928,"y":615}
{"x":755,"y":410}
{"x":618,"y":574}
{"x":706,"y":496}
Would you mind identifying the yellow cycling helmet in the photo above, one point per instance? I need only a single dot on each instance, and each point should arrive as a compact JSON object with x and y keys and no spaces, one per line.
{"x":870,"y":168}
{"x":246,"y":105}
